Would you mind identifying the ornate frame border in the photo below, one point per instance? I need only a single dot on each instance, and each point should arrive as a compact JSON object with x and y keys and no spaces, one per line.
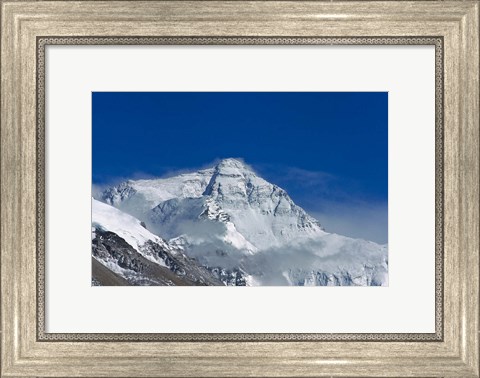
{"x":438,"y":42}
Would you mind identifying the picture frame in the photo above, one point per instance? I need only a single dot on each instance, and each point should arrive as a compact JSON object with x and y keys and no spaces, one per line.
{"x":27,"y":27}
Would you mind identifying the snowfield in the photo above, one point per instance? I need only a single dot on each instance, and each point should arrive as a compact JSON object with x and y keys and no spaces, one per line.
{"x":243,"y":229}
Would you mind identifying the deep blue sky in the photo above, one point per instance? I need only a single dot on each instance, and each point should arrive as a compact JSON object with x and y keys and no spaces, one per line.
{"x":324,"y":148}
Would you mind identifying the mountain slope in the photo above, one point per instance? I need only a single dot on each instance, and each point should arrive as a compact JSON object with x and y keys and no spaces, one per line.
{"x":102,"y":276}
{"x":124,"y":246}
{"x":246,"y":230}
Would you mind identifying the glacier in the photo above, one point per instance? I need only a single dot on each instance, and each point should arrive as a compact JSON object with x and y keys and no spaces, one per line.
{"x":233,"y":227}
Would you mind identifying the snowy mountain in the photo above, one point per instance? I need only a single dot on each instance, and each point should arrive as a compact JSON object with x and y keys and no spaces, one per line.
{"x":247,"y":231}
{"x":135,"y":256}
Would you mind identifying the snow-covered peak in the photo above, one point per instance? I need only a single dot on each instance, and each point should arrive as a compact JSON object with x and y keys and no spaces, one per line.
{"x":227,"y":216}
{"x":231,"y":175}
{"x":232,"y":165}
{"x":143,"y":195}
{"x":230,"y":192}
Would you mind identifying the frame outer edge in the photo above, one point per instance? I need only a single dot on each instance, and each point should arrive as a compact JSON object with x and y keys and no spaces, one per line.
{"x":9,"y":204}
{"x":10,"y":228}
{"x":470,"y":127}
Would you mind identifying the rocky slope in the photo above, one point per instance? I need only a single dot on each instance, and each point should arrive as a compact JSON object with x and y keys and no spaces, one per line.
{"x":131,"y":253}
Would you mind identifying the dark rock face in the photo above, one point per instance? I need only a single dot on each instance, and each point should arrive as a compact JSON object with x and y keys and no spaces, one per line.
{"x":109,"y":245}
{"x":109,"y":248}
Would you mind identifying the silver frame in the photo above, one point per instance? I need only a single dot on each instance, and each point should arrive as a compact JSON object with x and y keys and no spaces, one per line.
{"x":42,"y":42}
{"x":27,"y":353}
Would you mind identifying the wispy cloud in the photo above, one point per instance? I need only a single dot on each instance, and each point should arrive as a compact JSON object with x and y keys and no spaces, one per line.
{"x":292,"y":178}
{"x":310,"y":179}
{"x":365,"y":220}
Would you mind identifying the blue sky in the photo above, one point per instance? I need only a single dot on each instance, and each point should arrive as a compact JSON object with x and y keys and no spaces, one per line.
{"x":329,"y":150}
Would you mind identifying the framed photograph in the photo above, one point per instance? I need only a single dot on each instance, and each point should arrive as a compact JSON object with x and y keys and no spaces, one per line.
{"x":216,"y":188}
{"x":212,"y":221}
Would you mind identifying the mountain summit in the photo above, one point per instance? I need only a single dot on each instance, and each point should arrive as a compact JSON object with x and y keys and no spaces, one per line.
{"x":232,"y":164}
{"x":246,"y":230}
